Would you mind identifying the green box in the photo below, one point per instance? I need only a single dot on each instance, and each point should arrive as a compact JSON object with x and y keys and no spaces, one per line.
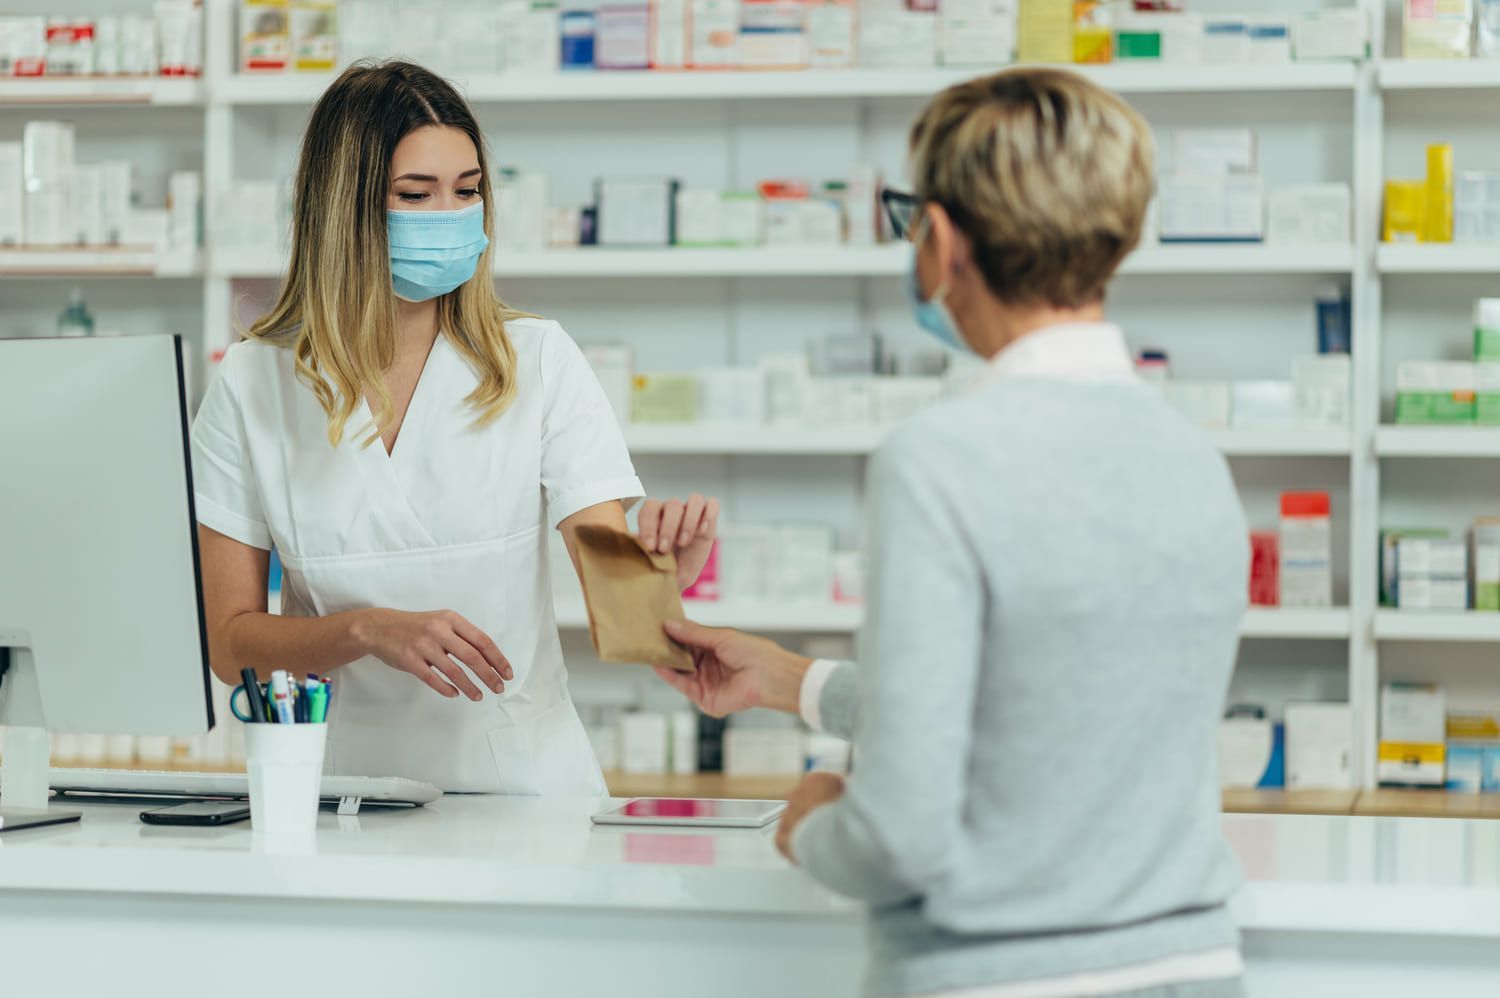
{"x":1137,"y":45}
{"x":1486,"y":343}
{"x":1435,"y":408}
{"x":1487,"y":409}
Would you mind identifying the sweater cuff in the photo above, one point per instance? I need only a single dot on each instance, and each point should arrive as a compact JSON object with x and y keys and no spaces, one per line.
{"x":810,"y":700}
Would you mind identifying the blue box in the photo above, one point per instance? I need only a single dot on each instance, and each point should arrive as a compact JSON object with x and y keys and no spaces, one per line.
{"x":1490,"y":781}
{"x":578,"y":31}
{"x":1466,"y":767}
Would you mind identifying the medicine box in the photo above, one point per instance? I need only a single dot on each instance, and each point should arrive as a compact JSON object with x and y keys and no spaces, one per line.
{"x":643,"y":743}
{"x":1309,"y":214}
{"x":1263,"y":404}
{"x":1389,"y":539}
{"x":1485,"y":562}
{"x":1247,"y":753}
{"x":896,"y":37}
{"x":763,"y":751}
{"x":1270,"y":38}
{"x":1210,"y":209}
{"x":1137,"y":37}
{"x":1335,"y":33}
{"x":1487,"y":329}
{"x":265,"y":36}
{"x":1435,"y":392}
{"x":1204,"y":403}
{"x":1424,"y":593}
{"x":1305,"y":550}
{"x":315,"y":35}
{"x":830,"y":33}
{"x":1413,"y":735}
{"x":1265,"y":568}
{"x":614,"y":367}
{"x":635,"y":211}
{"x":623,"y":37}
{"x":577,"y":36}
{"x":1430,"y":557}
{"x":1487,"y":393}
{"x":745,"y":553}
{"x":1319,"y":742}
{"x":742,"y":217}
{"x":699,"y":218}
{"x":713,"y":34}
{"x":1226,"y":39}
{"x":1436,"y":29}
{"x":669,"y":44}
{"x":1213,"y":152}
{"x":665,"y":398}
{"x":1490,"y":777}
{"x":977,"y":32}
{"x":732,"y":395}
{"x":1321,"y":385}
{"x":801,"y":565}
{"x":773,"y":34}
{"x":1465,"y":768}
{"x":1044,"y":31}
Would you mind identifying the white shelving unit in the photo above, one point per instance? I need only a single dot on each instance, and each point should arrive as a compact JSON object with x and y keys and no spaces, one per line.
{"x":93,"y":262}
{"x":841,"y":84}
{"x":1332,"y":115}
{"x":89,"y":91}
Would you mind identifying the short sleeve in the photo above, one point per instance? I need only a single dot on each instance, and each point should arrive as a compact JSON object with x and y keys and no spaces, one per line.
{"x":584,"y":457}
{"x":224,"y":486}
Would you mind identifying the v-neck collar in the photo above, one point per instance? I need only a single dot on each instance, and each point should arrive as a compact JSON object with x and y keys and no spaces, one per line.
{"x":413,"y":408}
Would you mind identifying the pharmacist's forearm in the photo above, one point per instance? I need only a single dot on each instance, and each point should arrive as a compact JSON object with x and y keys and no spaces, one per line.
{"x":266,"y":642}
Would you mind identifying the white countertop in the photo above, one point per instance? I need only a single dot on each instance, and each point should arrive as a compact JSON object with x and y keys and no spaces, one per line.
{"x":1304,"y":873}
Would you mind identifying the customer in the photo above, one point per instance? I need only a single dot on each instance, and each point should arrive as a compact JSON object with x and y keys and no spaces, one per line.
{"x":1057,"y":566}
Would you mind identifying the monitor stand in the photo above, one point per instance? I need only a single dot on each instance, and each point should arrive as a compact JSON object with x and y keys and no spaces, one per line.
{"x":23,"y":782}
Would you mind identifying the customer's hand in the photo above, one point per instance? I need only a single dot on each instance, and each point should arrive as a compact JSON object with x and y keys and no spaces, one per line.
{"x":426,"y":644}
{"x":816,"y":790}
{"x":686,"y":528}
{"x":735,"y":671}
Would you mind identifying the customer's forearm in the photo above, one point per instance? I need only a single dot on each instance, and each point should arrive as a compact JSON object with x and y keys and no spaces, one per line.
{"x":266,"y":642}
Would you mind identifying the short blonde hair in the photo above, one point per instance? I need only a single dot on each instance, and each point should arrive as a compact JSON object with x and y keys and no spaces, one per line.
{"x":1048,"y":174}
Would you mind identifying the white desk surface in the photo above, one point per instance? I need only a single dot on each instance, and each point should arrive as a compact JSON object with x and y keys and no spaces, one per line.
{"x":1304,"y":873}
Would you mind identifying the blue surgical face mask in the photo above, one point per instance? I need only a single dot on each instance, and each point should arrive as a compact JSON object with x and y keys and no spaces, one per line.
{"x":433,"y":252}
{"x":931,"y":314}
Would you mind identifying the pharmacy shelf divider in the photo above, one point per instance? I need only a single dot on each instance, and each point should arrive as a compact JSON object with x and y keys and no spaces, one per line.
{"x":97,"y":262}
{"x":710,"y":438}
{"x":859,"y":83}
{"x":86,"y":91}
{"x":1439,"y":74}
{"x":1437,"y":258}
{"x":890,"y":260}
{"x":1438,"y":441}
{"x":1452,"y":626}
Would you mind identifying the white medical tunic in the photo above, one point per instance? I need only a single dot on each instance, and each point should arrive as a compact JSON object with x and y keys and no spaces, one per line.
{"x":455,"y":518}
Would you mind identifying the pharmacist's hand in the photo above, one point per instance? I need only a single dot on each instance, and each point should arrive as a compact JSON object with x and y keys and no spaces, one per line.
{"x":426,"y":645}
{"x":735,"y":671}
{"x":816,"y":790}
{"x":687,"y":528}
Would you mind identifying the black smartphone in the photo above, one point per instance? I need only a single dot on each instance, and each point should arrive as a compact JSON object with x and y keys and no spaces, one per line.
{"x":205,"y":812}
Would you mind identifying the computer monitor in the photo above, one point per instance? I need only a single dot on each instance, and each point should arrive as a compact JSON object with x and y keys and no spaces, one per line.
{"x":101,"y":616}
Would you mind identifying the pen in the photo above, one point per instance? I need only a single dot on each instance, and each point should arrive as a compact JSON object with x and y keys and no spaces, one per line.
{"x":281,"y":697}
{"x":317,"y":704}
{"x":255,"y":700}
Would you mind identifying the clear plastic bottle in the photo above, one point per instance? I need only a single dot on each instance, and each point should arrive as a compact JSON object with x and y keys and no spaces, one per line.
{"x":75,"y":320}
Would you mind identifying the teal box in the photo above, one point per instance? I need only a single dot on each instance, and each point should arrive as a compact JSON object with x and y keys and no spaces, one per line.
{"x":1491,"y":763}
{"x":1466,"y":767}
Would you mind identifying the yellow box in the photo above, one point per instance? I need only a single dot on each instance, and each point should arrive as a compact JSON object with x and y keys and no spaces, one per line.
{"x":1093,"y":38}
{"x":1405,"y":211}
{"x":1045,"y":31}
{"x":265,"y":36}
{"x":1437,"y":226}
{"x":315,"y":35}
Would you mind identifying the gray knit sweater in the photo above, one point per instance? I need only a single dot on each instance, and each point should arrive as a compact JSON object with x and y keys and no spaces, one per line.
{"x":1057,"y":575}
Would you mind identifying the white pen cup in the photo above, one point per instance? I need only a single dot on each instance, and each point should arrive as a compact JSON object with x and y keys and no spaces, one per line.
{"x":285,"y":763}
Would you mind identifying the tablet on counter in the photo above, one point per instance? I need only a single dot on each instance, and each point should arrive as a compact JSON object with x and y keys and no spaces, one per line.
{"x":692,"y":812}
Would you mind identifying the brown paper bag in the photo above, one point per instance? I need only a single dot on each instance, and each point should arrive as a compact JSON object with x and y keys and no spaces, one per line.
{"x":630,"y":593}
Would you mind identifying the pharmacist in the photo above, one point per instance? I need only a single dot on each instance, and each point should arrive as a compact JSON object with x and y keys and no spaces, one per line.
{"x":1057,"y":573}
{"x":405,"y":441}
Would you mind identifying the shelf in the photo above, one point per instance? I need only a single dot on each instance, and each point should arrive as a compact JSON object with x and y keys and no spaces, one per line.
{"x":97,"y":262}
{"x":708,"y":438}
{"x":783,"y":618}
{"x":294,"y":89}
{"x":844,"y":618}
{"x":1247,"y":258}
{"x":1437,"y":258}
{"x":1439,"y":74}
{"x":1247,"y":801}
{"x":1436,"y":625}
{"x":842,"y":261}
{"x":1309,"y":442}
{"x":1438,"y":441}
{"x":1290,"y":622}
{"x":111,"y":91}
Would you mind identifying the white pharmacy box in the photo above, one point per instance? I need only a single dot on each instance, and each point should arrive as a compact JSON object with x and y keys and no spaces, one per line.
{"x":1204,"y":403}
{"x":1319,"y":742}
{"x":1263,"y":404}
{"x":1431,"y":557}
{"x":1425,"y":593}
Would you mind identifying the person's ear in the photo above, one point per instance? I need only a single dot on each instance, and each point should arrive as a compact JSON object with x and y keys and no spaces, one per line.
{"x":950,"y":247}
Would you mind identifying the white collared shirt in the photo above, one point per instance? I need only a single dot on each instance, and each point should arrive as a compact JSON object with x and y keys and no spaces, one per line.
{"x":1082,"y":352}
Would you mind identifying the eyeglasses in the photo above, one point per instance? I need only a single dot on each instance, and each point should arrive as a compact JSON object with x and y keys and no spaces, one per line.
{"x":901,"y":208}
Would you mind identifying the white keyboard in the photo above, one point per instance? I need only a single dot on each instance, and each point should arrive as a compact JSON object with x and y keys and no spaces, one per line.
{"x":346,"y":791}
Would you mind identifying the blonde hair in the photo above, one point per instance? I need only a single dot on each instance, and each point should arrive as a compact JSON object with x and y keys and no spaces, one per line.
{"x":1048,"y":174}
{"x":337,"y":309}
